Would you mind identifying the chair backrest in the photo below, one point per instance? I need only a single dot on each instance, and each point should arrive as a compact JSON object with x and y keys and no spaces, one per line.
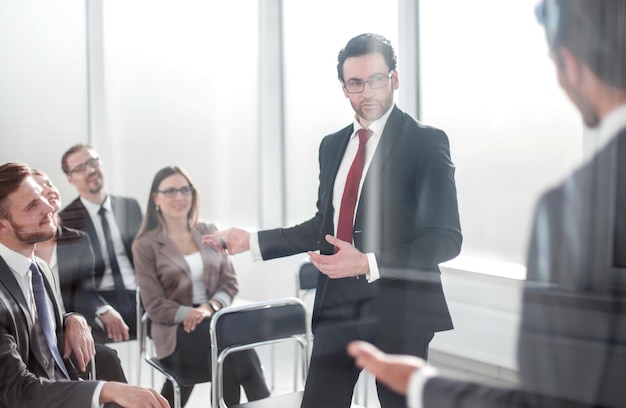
{"x":306,"y":279}
{"x":238,"y":328}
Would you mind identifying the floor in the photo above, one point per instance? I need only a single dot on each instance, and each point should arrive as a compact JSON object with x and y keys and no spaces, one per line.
{"x":280,"y":378}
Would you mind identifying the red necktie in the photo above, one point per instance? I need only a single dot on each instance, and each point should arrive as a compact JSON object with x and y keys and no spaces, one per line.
{"x":351,"y":190}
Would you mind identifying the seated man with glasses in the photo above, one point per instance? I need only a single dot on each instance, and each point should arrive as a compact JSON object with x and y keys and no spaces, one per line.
{"x":111,"y":223}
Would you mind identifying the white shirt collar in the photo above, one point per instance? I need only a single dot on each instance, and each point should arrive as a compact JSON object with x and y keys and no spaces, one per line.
{"x":376,"y":126}
{"x":16,"y":261}
{"x":610,"y":126}
{"x":93,"y":208}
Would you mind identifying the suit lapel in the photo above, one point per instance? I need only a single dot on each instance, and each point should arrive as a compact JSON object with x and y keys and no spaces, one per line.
{"x":370,"y":191}
{"x":169,"y":250}
{"x":388,"y":140}
{"x":8,"y":280}
{"x":333,"y":156}
{"x":121,"y":214}
{"x":87,"y":226}
{"x":197,"y":237}
{"x":125,"y":221}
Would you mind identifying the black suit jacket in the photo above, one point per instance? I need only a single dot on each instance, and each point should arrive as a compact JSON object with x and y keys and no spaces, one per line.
{"x":78,"y":290}
{"x":75,"y":262}
{"x":127,"y":214}
{"x":24,"y":381}
{"x":572,"y":343}
{"x":407,"y":215}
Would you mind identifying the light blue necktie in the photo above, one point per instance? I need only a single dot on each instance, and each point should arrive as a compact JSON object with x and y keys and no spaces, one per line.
{"x":39,"y":292}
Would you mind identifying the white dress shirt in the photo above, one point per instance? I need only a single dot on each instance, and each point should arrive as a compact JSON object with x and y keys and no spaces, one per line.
{"x":126,"y":268}
{"x":377,"y":128}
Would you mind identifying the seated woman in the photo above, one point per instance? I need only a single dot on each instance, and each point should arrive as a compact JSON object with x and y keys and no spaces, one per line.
{"x":182,"y":283}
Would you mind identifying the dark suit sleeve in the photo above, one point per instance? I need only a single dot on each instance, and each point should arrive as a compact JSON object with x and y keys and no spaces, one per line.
{"x":427,"y":231}
{"x":76,"y":274}
{"x":129,"y":217}
{"x":281,"y":242}
{"x":444,"y":392}
{"x":21,"y":388}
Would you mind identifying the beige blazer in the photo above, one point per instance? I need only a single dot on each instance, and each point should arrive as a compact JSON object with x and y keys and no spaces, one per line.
{"x":164,"y":281}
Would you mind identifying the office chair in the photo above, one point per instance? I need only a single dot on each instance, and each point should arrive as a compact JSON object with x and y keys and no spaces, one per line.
{"x":154,"y":362}
{"x":306,"y":284}
{"x":306,"y":279}
{"x":238,"y":328}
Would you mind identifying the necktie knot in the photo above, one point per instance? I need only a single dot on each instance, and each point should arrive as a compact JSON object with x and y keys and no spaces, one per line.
{"x":364,"y":135}
{"x":102,"y":211}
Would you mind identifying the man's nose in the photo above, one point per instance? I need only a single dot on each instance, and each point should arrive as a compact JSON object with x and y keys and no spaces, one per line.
{"x":47,"y":207}
{"x":368,"y":90}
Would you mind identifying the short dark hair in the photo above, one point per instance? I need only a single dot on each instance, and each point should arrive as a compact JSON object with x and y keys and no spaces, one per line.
{"x":69,"y":152}
{"x":594,"y":31}
{"x":12,"y":175}
{"x":365,"y":44}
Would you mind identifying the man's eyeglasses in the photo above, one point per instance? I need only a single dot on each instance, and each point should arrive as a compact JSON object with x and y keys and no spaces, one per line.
{"x":171,"y":192}
{"x":376,"y":82}
{"x":93,"y":163}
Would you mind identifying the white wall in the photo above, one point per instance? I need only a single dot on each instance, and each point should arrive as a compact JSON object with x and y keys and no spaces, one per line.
{"x":43,"y":87}
{"x":485,"y":300}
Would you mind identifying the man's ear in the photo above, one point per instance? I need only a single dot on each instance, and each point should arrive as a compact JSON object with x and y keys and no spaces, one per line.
{"x":395,"y":80}
{"x":5,"y":226}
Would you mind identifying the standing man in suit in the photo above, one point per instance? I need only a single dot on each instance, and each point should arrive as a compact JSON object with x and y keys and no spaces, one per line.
{"x":111,"y":223}
{"x":571,"y":348}
{"x":36,"y":339}
{"x":386,"y":217}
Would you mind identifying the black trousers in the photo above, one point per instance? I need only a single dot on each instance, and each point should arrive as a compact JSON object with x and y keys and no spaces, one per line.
{"x":128,"y":313}
{"x":108,"y":365}
{"x":332,"y":373}
{"x":191,"y":363}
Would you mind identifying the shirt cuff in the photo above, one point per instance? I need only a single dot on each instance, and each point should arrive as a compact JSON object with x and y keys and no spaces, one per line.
{"x":255,"y":248}
{"x":95,"y":400}
{"x":374,"y":274}
{"x":415,"y":396}
{"x":181,"y":313}
{"x":103,"y":309}
{"x":224,"y":298}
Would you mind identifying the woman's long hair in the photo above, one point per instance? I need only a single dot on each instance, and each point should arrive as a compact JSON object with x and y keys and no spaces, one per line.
{"x":153,"y":220}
